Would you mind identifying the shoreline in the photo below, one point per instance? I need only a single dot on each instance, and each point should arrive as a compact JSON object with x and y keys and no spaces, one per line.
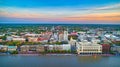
{"x":55,"y":54}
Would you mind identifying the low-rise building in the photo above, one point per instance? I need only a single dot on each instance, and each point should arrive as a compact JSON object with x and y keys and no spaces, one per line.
{"x":116,"y":49}
{"x":105,"y":48}
{"x":59,"y":47}
{"x":50,"y":47}
{"x":1,"y":35}
{"x":9,"y":38}
{"x":3,"y":48}
{"x":19,"y":39}
{"x":66,"y":46}
{"x":95,"y":41}
{"x":32,"y":39}
{"x":40,"y":48}
{"x":32,"y":35}
{"x":34,"y":48}
{"x":24,"y":48}
{"x":12,"y":48}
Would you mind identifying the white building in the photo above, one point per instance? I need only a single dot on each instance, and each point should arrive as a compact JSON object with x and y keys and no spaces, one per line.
{"x":19,"y":39}
{"x":66,"y":46}
{"x":1,"y":46}
{"x":81,"y":32}
{"x":95,"y":41}
{"x":2,"y":35}
{"x":88,"y":48}
{"x":59,"y":47}
{"x":32,"y":35}
{"x":116,"y":49}
{"x":50,"y":47}
{"x":54,"y":37}
{"x":65,"y":35}
{"x":9,"y":38}
{"x":12,"y":48}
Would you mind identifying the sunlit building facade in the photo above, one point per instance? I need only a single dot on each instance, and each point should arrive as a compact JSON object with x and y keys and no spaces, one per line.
{"x":88,"y":48}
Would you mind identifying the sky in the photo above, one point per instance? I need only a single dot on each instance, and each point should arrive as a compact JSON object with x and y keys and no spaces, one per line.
{"x":60,"y":11}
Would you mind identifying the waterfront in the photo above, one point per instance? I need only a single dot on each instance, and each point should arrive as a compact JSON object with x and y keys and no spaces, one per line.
{"x":58,"y":61}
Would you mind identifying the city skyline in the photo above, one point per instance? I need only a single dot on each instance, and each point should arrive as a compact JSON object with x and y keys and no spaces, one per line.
{"x":62,"y":11}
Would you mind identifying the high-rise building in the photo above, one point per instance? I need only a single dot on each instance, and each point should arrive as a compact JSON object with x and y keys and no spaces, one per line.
{"x":65,"y":36}
{"x":61,"y":36}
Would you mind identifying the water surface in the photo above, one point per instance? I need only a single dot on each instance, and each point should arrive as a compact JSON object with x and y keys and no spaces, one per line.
{"x":58,"y":61}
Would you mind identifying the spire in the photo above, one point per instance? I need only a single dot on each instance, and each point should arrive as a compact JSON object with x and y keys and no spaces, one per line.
{"x":71,"y":39}
{"x":67,"y":28}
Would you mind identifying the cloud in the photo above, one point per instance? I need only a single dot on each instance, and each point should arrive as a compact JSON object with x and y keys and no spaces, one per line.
{"x":110,"y":7}
{"x":105,"y":13}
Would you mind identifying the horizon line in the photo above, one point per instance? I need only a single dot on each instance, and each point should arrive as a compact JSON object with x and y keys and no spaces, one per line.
{"x":66,"y":23}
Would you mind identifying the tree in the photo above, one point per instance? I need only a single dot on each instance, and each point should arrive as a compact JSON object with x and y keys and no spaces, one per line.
{"x":14,"y":52}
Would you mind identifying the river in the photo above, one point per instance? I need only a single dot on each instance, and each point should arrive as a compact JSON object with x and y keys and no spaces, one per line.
{"x":59,"y":61}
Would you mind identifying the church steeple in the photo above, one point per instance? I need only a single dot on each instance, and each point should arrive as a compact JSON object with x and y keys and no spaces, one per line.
{"x":71,"y":39}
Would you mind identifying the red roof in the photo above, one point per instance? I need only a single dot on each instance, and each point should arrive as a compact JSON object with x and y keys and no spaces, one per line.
{"x":73,"y":33}
{"x":106,"y":45}
{"x":41,"y":39}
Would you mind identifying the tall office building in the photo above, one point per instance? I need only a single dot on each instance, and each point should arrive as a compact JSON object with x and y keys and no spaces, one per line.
{"x":65,"y":36}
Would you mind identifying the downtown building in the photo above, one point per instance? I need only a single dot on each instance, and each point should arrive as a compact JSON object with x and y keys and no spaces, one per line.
{"x":5,"y":48}
{"x":63,"y":36}
{"x":58,"y":47}
{"x":31,"y":48}
{"x":86,"y":47}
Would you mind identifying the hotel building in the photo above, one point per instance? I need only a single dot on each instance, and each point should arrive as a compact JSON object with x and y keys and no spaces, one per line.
{"x":86,"y":47}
